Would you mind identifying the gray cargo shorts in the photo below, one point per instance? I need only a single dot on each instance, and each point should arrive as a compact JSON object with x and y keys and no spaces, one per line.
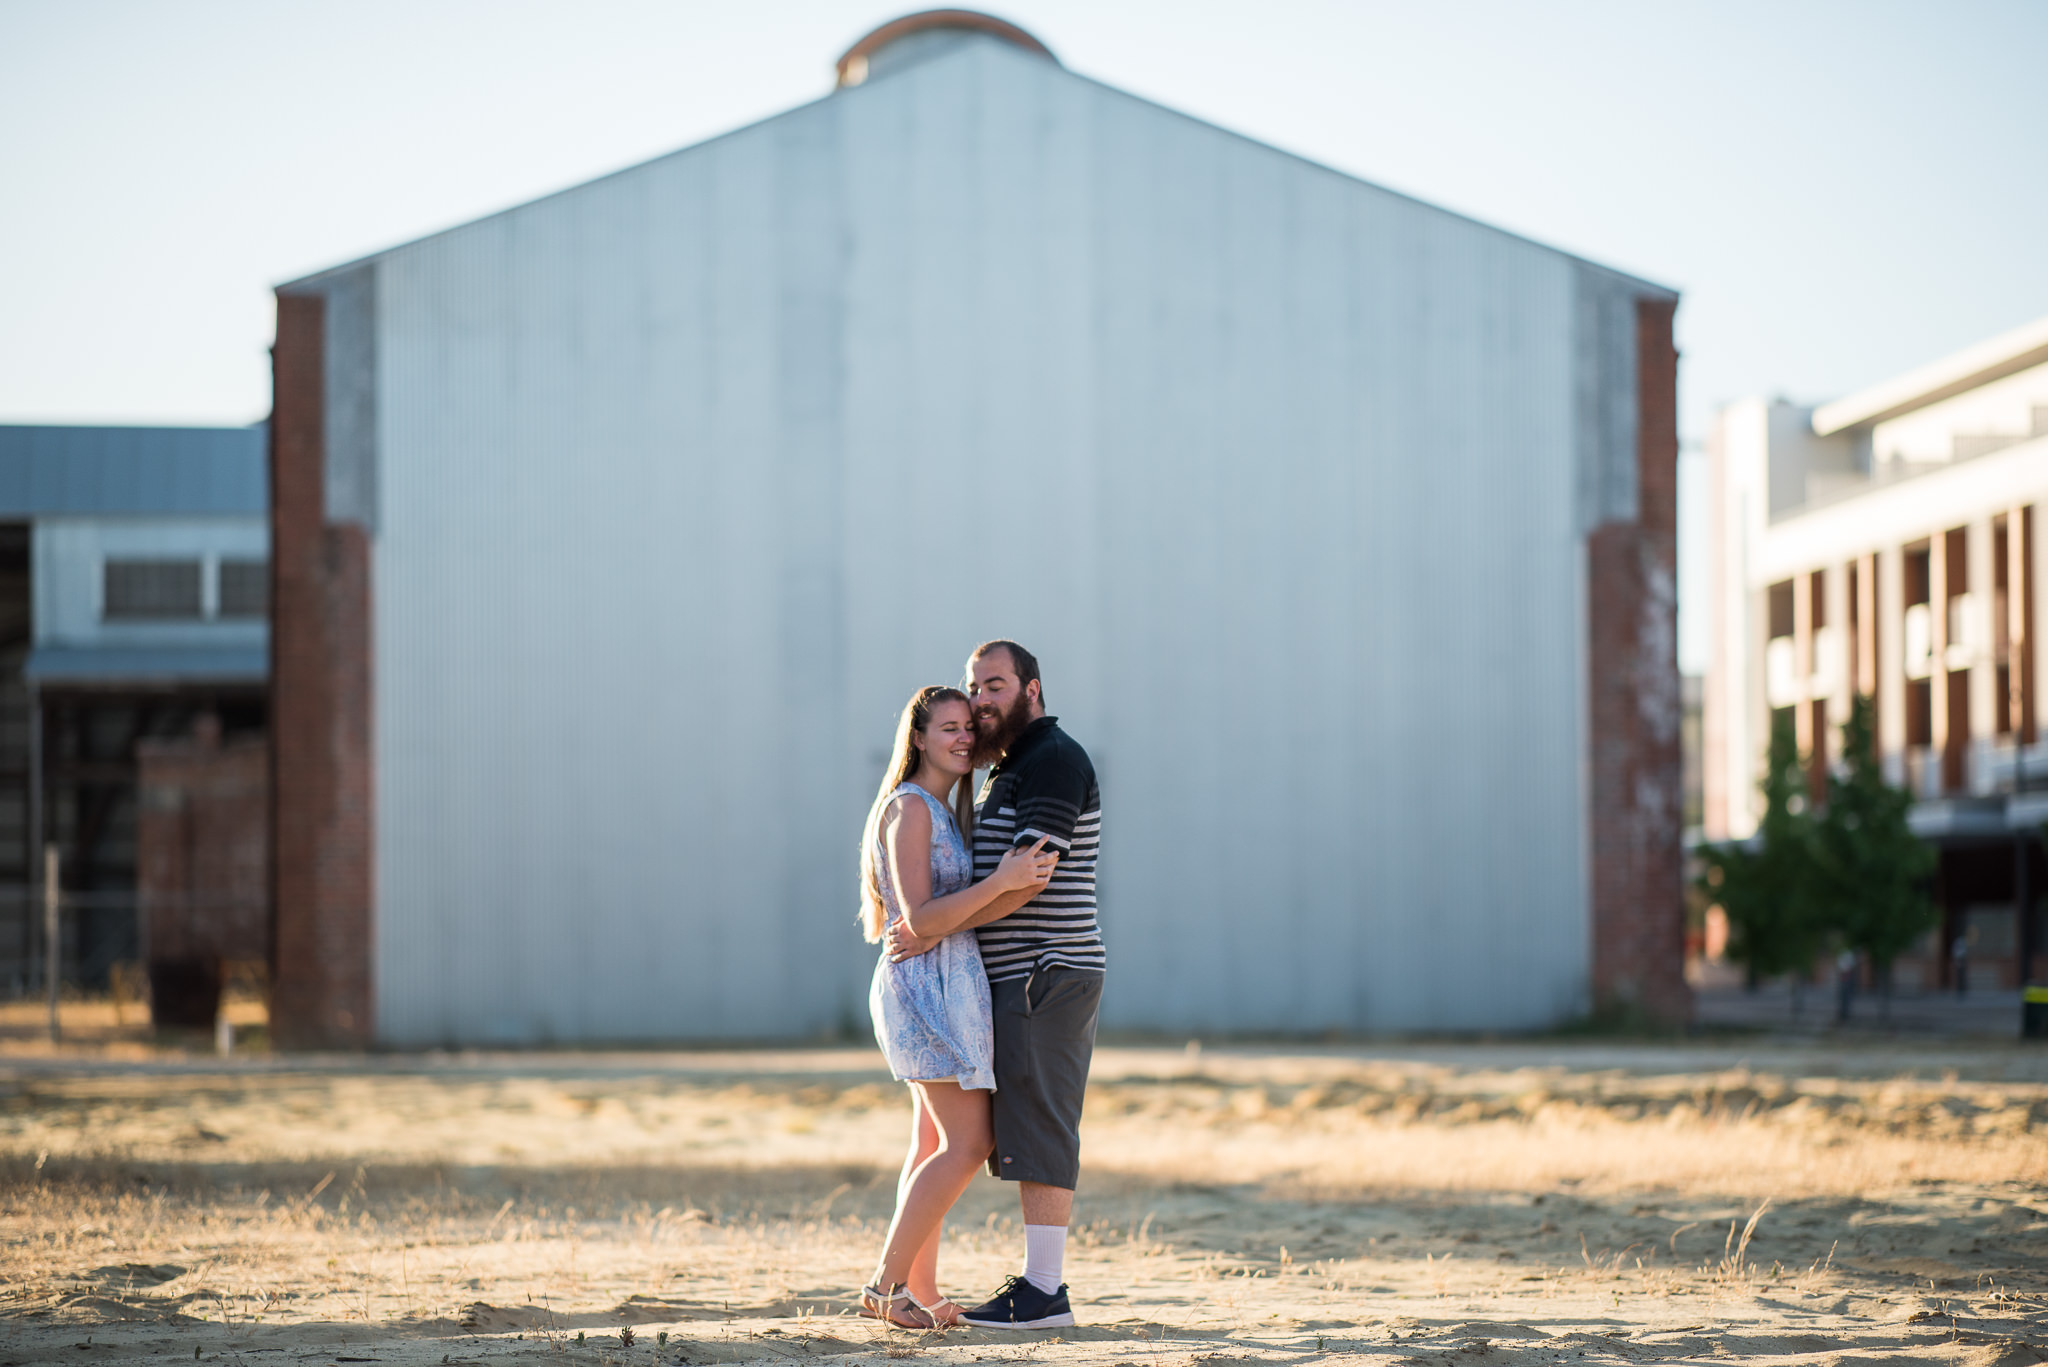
{"x":1045,"y":1036}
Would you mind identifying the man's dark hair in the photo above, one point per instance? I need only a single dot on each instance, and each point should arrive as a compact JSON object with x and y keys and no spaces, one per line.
{"x":1025,"y":663}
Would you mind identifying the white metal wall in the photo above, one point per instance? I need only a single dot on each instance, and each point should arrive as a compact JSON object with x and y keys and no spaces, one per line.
{"x":687,"y":477}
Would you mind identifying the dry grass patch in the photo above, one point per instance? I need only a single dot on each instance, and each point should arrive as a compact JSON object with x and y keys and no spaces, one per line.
{"x":1244,"y":1206}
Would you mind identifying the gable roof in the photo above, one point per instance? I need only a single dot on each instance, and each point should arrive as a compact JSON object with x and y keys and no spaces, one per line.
{"x":970,"y":44}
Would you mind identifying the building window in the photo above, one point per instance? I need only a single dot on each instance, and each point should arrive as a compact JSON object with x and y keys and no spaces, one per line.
{"x":1778,"y":605}
{"x":1920,"y":712}
{"x":1782,"y":684}
{"x":1969,"y":630}
{"x":1781,"y":673}
{"x":152,"y":590}
{"x":1828,"y":658}
{"x":1919,"y":641}
{"x":244,"y":588}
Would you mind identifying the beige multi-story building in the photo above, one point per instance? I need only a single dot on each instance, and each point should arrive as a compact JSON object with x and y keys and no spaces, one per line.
{"x":1884,"y":544}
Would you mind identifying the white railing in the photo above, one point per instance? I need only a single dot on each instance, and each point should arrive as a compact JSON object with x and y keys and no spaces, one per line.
{"x":2004,"y":767}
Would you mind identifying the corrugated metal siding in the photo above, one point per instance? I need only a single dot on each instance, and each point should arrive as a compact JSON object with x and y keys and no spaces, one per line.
{"x":690,"y":476}
{"x":1604,"y":330}
{"x":83,"y":471}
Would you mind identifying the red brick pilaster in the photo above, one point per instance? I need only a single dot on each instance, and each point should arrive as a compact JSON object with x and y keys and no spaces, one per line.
{"x":202,"y":845}
{"x":320,"y":715}
{"x":1638,"y":917}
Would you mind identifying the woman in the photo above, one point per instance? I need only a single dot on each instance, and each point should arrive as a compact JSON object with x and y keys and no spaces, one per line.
{"x":931,"y":1012}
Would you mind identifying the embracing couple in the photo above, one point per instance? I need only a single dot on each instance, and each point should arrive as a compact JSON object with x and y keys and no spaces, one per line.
{"x":991,"y":973}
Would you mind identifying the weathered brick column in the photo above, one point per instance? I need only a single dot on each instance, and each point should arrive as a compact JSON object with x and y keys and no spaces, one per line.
{"x":322,"y":874}
{"x":202,"y":860}
{"x":1637,"y":780}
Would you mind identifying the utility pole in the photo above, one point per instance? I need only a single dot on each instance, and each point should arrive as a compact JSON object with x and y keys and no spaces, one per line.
{"x":2033,"y":999}
{"x":53,"y":939}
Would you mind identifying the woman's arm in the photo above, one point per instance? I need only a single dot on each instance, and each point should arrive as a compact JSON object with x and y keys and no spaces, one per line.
{"x":907,"y":839}
{"x":1048,"y":807}
{"x":902,"y":944}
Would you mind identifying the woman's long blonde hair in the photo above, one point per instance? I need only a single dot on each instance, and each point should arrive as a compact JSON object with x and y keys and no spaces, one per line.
{"x":903,"y":762}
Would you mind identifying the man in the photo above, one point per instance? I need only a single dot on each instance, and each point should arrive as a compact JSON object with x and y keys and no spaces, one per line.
{"x":1043,"y":953}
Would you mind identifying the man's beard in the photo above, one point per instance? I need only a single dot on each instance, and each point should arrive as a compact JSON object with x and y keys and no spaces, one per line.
{"x":994,"y":735}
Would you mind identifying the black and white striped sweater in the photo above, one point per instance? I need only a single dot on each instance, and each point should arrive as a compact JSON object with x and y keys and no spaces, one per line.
{"x":1045,"y":787}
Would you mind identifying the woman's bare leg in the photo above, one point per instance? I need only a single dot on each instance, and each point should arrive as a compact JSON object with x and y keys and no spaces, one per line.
{"x":924,"y":1141}
{"x":961,"y":1120}
{"x":923,"y":1280}
{"x":924,"y":1137}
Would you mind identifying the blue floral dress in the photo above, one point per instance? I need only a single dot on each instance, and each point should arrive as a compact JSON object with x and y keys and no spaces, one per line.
{"x":931,"y":1013}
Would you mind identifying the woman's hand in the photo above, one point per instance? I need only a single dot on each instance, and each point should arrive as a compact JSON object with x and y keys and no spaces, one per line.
{"x":900,"y":943}
{"x":1025,"y":867}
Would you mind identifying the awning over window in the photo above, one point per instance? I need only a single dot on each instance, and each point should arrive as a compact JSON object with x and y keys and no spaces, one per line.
{"x":147,"y":664}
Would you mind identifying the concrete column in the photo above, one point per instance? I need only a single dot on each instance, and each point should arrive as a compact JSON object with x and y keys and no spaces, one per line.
{"x":1729,"y":720}
{"x":1937,"y":630}
{"x":2019,"y":622}
{"x":1745,"y":801}
{"x":1866,"y":625}
{"x":1802,"y":657}
{"x":1981,"y":546}
{"x":2037,"y":594}
{"x":1842,"y":684}
{"x":1890,"y":651}
{"x":1722,"y":693}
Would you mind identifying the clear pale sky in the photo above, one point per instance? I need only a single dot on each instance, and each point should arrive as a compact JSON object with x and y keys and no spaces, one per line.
{"x":1841,"y":190}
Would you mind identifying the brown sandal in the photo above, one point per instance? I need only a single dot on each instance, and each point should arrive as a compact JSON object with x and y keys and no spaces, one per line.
{"x":895,"y":1308}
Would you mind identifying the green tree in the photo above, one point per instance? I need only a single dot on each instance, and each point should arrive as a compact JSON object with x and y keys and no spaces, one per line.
{"x":1766,"y":886}
{"x":1871,"y":871}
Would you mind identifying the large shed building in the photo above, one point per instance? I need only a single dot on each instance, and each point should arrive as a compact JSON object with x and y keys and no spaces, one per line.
{"x":612,"y":530}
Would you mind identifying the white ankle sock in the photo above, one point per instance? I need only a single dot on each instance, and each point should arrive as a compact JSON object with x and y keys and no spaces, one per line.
{"x":1045,"y":1255}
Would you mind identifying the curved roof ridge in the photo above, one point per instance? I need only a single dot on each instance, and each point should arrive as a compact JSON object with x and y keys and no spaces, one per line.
{"x":852,"y":66}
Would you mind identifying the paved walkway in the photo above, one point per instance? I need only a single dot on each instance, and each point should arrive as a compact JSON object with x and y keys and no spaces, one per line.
{"x":1987,"y":1013}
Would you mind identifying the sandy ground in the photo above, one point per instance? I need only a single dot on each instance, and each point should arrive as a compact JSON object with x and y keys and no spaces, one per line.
{"x":1526,"y":1203}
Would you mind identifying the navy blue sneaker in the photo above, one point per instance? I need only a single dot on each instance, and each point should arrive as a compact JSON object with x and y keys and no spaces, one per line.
{"x":1020,"y":1305}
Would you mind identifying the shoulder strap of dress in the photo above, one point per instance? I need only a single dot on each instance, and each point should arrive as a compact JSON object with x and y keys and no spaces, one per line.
{"x":938,"y":807}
